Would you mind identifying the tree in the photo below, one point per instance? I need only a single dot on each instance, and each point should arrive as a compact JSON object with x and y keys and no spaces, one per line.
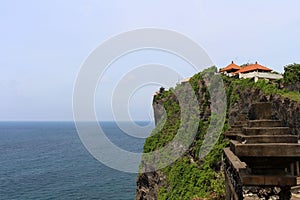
{"x":291,"y":74}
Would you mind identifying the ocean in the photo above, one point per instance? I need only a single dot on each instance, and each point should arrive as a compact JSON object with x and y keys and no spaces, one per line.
{"x":46,"y":160}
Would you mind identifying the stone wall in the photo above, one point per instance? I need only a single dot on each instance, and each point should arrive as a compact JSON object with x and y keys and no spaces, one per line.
{"x":283,"y":108}
{"x":294,"y":87}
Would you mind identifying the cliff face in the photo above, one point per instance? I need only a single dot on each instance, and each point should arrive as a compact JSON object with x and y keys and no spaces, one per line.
{"x":284,"y":109}
{"x":148,"y":185}
{"x":190,"y":177}
{"x":185,"y":177}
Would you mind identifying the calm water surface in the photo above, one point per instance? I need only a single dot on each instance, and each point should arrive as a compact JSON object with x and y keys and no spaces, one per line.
{"x":46,"y":160}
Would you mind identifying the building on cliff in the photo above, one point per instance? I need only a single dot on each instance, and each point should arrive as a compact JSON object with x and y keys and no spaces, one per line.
{"x":252,"y":71}
{"x":230,"y":69}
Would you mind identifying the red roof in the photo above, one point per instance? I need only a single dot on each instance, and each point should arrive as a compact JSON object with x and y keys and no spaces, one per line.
{"x":253,"y":67}
{"x":230,"y":67}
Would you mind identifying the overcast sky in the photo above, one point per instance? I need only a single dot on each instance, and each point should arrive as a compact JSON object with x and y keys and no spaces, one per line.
{"x":44,"y":43}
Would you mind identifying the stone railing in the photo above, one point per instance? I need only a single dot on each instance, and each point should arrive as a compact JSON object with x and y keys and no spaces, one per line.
{"x":263,"y":75}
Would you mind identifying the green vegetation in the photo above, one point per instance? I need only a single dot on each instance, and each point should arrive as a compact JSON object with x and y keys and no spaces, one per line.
{"x":190,"y":177}
{"x":186,"y":180}
{"x":266,"y":87}
{"x":291,"y":74}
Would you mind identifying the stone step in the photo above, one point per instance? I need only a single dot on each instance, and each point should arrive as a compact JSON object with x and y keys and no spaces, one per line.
{"x":266,"y":131}
{"x":233,"y":144}
{"x":270,"y":170}
{"x":268,"y":165}
{"x":289,"y":150}
{"x":238,"y":126}
{"x":264,"y":123}
{"x":241,"y":122}
{"x":234,"y":161}
{"x":275,"y":180}
{"x":246,"y":139}
{"x":235,"y":129}
{"x":232,"y":134}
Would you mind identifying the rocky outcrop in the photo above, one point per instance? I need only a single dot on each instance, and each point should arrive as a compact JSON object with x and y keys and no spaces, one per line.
{"x":148,"y":185}
{"x":294,"y":87}
{"x":288,"y":111}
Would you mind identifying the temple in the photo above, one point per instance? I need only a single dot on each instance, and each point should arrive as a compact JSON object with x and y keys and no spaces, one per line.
{"x":252,"y":71}
{"x":230,"y":69}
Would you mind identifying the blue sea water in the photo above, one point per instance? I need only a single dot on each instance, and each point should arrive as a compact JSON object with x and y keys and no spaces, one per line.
{"x":46,"y":160}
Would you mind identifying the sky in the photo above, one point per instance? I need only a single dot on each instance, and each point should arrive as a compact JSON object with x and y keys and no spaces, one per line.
{"x":44,"y":44}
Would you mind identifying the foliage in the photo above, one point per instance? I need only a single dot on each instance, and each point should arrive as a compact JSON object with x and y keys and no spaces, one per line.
{"x":189,"y":177}
{"x":291,"y":73}
{"x":267,"y":87}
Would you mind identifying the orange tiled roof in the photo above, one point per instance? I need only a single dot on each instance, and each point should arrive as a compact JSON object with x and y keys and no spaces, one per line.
{"x":253,"y":67}
{"x":231,"y":67}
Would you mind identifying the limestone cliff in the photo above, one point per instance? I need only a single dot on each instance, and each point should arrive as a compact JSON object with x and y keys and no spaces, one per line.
{"x":190,"y":177}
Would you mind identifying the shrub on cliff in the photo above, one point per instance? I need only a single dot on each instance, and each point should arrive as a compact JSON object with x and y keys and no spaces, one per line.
{"x":189,"y":176}
{"x":291,"y":74}
{"x":291,"y":77}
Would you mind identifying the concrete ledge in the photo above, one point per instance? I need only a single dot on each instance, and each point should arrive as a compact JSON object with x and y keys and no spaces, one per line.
{"x":234,"y":161}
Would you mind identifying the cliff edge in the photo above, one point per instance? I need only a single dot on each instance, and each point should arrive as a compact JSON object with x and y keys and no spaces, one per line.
{"x":191,"y":177}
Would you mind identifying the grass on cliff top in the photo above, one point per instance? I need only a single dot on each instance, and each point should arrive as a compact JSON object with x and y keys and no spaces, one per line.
{"x":267,"y":87}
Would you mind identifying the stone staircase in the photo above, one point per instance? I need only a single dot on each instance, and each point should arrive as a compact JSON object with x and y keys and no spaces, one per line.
{"x":261,"y":152}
